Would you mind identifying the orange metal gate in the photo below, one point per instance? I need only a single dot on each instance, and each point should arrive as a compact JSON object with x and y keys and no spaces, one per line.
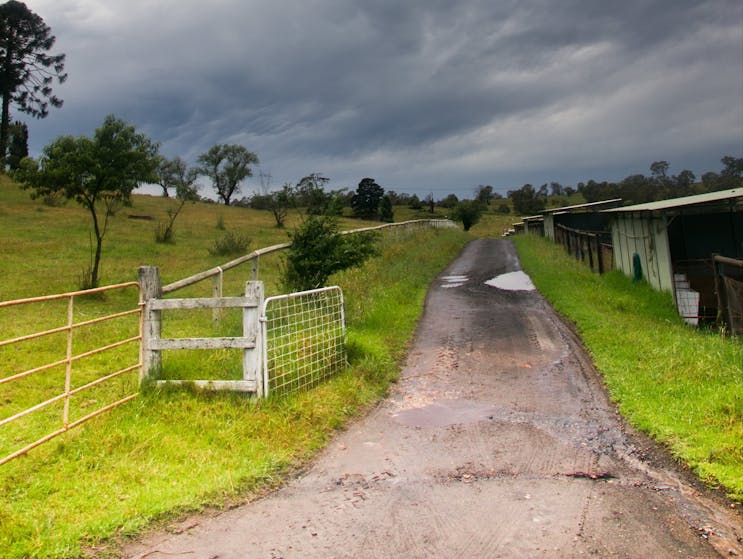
{"x":69,"y":390}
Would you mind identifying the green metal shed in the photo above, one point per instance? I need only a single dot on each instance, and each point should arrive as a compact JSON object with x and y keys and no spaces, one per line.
{"x":671,"y":243}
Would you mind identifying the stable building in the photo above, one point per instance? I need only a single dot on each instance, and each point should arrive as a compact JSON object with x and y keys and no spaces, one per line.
{"x":671,"y":243}
{"x":582,"y":217}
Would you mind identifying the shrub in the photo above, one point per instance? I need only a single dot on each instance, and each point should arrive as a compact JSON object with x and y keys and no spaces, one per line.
{"x":468,"y":212}
{"x":318,"y":251}
{"x":230,"y":243}
{"x":164,"y":233}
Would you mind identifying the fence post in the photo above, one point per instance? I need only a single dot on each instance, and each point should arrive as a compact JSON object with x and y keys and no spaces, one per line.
{"x":252,"y":328}
{"x":254,"y":268}
{"x":723,"y":317}
{"x":150,"y":288}
{"x":217,"y":283}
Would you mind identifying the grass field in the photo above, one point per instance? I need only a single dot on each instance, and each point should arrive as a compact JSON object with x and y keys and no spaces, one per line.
{"x":681,"y":385}
{"x":171,"y":451}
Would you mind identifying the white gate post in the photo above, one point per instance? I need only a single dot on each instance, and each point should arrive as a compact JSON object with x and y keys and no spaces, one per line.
{"x":150,"y":288}
{"x":252,"y":328}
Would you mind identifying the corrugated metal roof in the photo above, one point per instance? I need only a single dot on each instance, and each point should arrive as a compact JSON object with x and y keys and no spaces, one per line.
{"x":697,"y":199}
{"x":565,"y":209}
{"x":533,"y":218}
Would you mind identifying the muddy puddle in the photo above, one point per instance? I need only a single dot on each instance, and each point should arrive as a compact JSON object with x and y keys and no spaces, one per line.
{"x":513,"y":281}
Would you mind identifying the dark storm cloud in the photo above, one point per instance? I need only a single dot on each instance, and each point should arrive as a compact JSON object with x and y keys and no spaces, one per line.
{"x":432,"y":95}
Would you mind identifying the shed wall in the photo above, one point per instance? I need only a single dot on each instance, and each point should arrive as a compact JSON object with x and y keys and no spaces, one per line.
{"x":549,"y":226}
{"x":646,"y":236}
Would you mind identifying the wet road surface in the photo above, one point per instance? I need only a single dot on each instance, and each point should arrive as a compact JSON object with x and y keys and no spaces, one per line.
{"x":498,"y":441}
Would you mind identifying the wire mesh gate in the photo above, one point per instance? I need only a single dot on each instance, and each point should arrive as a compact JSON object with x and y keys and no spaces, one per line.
{"x":304,"y":339}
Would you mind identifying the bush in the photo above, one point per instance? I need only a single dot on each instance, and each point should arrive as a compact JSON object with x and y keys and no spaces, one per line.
{"x":504,"y":209}
{"x":230,"y":243}
{"x":318,"y":251}
{"x":164,"y":233}
{"x":468,"y":213}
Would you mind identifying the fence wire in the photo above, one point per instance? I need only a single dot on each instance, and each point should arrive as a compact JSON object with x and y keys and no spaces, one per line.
{"x":305,"y":338}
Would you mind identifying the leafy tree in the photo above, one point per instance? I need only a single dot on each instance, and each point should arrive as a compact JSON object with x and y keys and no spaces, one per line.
{"x":659,"y":170}
{"x":385,"y":210}
{"x":98,"y":171}
{"x":731,"y":175}
{"x":557,"y":189}
{"x":414,"y":203}
{"x":594,"y":191}
{"x":227,"y":165}
{"x":637,"y":189}
{"x":366,"y":199}
{"x":468,"y":213}
{"x":526,"y":200}
{"x":310,"y":193}
{"x":26,"y":69}
{"x":280,"y":202}
{"x":430,"y":203}
{"x":338,"y":199}
{"x":684,"y":183}
{"x":18,"y":147}
{"x":449,"y":202}
{"x":484,"y":194}
{"x":175,"y":174}
{"x":318,"y":251}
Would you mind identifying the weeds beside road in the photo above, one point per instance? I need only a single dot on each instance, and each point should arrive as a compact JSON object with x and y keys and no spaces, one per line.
{"x":681,"y":385}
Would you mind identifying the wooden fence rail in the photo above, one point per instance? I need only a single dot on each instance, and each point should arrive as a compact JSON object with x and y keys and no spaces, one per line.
{"x":254,"y":257}
{"x":587,"y":247}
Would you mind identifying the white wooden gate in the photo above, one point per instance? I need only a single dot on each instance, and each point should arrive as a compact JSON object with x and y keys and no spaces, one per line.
{"x":289,"y":342}
{"x":250,"y":342}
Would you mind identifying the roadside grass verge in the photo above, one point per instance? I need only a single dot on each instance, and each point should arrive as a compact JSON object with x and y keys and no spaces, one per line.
{"x":172,"y":451}
{"x":682,"y":386}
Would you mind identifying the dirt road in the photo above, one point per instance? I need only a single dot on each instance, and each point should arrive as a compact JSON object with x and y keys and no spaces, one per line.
{"x":498,"y":441}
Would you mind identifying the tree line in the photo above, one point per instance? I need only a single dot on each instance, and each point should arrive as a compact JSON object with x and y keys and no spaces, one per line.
{"x":634,"y":189}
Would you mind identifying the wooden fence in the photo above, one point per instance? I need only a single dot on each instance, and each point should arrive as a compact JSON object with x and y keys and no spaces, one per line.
{"x":254,"y":257}
{"x":586,"y":246}
{"x":729,"y":289}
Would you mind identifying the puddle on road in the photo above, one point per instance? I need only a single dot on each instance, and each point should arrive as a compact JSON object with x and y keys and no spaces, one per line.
{"x":444,"y":413}
{"x":453,"y":281}
{"x":513,"y":281}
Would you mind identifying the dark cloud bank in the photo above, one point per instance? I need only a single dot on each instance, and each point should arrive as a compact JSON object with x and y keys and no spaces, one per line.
{"x":431,"y":96}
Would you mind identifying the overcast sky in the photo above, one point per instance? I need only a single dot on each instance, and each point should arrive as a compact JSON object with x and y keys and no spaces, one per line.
{"x":425,"y":96}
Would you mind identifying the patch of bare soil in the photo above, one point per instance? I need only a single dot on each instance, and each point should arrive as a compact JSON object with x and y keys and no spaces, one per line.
{"x":498,"y":441}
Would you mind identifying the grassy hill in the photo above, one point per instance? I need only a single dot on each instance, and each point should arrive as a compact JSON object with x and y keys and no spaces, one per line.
{"x":167,"y":452}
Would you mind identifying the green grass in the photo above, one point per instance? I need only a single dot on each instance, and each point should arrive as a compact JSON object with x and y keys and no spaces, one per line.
{"x":681,"y":385}
{"x":171,"y":451}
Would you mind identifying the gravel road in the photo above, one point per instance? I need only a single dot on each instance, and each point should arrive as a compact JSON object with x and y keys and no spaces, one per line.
{"x":498,"y":441}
